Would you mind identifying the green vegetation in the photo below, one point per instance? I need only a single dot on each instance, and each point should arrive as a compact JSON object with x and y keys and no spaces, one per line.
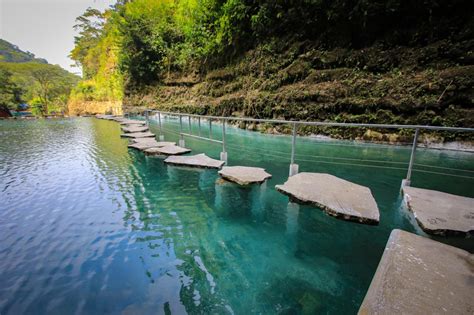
{"x":28,"y":80}
{"x":356,"y":61}
{"x":11,"y":53}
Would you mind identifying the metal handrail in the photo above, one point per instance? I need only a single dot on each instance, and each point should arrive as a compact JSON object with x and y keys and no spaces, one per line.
{"x":295,"y":124}
{"x":319,"y":123}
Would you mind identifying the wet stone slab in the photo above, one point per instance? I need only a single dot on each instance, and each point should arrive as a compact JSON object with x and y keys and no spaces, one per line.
{"x":167,"y":150}
{"x":131,"y":122}
{"x":134,"y":128}
{"x":337,"y":197}
{"x":244,"y":175}
{"x":107,"y":117}
{"x":198,"y":160}
{"x":440,"y":213}
{"x":417,"y":275}
{"x":138,"y":135}
{"x":148,"y":143}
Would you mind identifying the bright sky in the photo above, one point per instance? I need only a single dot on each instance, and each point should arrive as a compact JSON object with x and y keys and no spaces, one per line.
{"x":44,"y":27}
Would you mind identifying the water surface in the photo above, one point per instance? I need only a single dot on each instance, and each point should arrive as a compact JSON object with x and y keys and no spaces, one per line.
{"x":90,"y":227}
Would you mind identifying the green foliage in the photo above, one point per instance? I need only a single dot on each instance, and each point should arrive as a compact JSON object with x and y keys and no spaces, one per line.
{"x":49,"y":83}
{"x":142,"y":42}
{"x":10,"y":93}
{"x":11,"y":53}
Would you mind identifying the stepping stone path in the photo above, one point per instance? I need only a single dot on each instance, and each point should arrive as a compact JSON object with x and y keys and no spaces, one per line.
{"x":440,"y":213}
{"x":198,"y":160}
{"x":244,"y":175}
{"x":138,"y":135}
{"x":134,"y":128}
{"x":167,"y":150}
{"x":337,"y":197}
{"x":417,"y":275}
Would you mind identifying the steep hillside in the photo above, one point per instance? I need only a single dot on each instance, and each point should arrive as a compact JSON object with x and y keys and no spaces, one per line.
{"x":26,"y":79}
{"x":12,"y":53}
{"x":355,"y":61}
{"x":430,"y":85}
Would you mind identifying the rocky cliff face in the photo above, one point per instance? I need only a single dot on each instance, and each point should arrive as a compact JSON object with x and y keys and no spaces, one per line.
{"x":77,"y":108}
{"x":430,"y":85}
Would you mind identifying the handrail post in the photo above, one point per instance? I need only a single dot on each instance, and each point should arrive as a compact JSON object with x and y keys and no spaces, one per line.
{"x":189,"y":122}
{"x":294,"y":168}
{"x":224,"y":152}
{"x":161,"y":137}
{"x":210,"y":128}
{"x":407,"y":180}
{"x":199,"y":126}
{"x":146,"y":117}
{"x":181,"y":138}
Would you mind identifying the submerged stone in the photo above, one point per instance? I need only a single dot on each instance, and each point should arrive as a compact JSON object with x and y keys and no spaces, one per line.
{"x":244,"y":175}
{"x":417,"y":275}
{"x":138,"y":135}
{"x":336,"y":196}
{"x":134,"y":128}
{"x":198,"y":160}
{"x":440,"y":213}
{"x":167,"y":150}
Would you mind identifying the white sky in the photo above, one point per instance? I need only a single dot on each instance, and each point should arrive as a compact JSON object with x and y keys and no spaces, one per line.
{"x":44,"y":27}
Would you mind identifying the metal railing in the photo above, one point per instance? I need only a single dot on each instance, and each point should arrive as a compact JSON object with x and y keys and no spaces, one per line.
{"x":293,"y":169}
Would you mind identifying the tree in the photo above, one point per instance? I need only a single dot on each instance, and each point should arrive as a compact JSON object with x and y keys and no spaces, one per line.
{"x":10,"y":93}
{"x":46,"y":79}
{"x":90,"y":27}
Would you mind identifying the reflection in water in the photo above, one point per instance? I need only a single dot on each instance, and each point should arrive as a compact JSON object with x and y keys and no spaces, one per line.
{"x":89,"y":226}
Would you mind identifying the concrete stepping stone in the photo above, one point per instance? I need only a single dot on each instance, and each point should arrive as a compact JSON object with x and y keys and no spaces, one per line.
{"x":167,"y":150}
{"x":417,"y":275}
{"x":143,"y":145}
{"x":106,"y":117}
{"x":132,"y":122}
{"x":337,"y":197}
{"x":198,"y":160}
{"x":244,"y":175}
{"x":440,"y":213}
{"x":138,"y":135}
{"x":134,"y":128}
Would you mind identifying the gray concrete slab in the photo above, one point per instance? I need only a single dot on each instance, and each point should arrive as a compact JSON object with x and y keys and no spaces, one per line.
{"x":134,"y":128}
{"x":148,"y":143}
{"x":440,"y":213}
{"x":106,"y":117}
{"x":131,"y":122}
{"x":167,"y":150}
{"x":138,"y":135}
{"x":198,"y":160}
{"x":336,"y":196}
{"x":244,"y":175}
{"x":417,"y":275}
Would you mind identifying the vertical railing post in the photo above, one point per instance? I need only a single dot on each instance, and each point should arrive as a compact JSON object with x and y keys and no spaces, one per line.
{"x":161,"y":137}
{"x":189,"y":123}
{"x":210,"y":128}
{"x":146,"y":117}
{"x":224,"y":152}
{"x":293,"y":167}
{"x":181,"y":137}
{"x":199,"y":126}
{"x":407,"y":180}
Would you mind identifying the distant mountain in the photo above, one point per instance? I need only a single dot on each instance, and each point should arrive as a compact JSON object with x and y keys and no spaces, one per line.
{"x":11,"y":53}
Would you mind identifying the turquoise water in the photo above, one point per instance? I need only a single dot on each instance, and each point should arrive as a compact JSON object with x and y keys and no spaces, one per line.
{"x":90,"y":227}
